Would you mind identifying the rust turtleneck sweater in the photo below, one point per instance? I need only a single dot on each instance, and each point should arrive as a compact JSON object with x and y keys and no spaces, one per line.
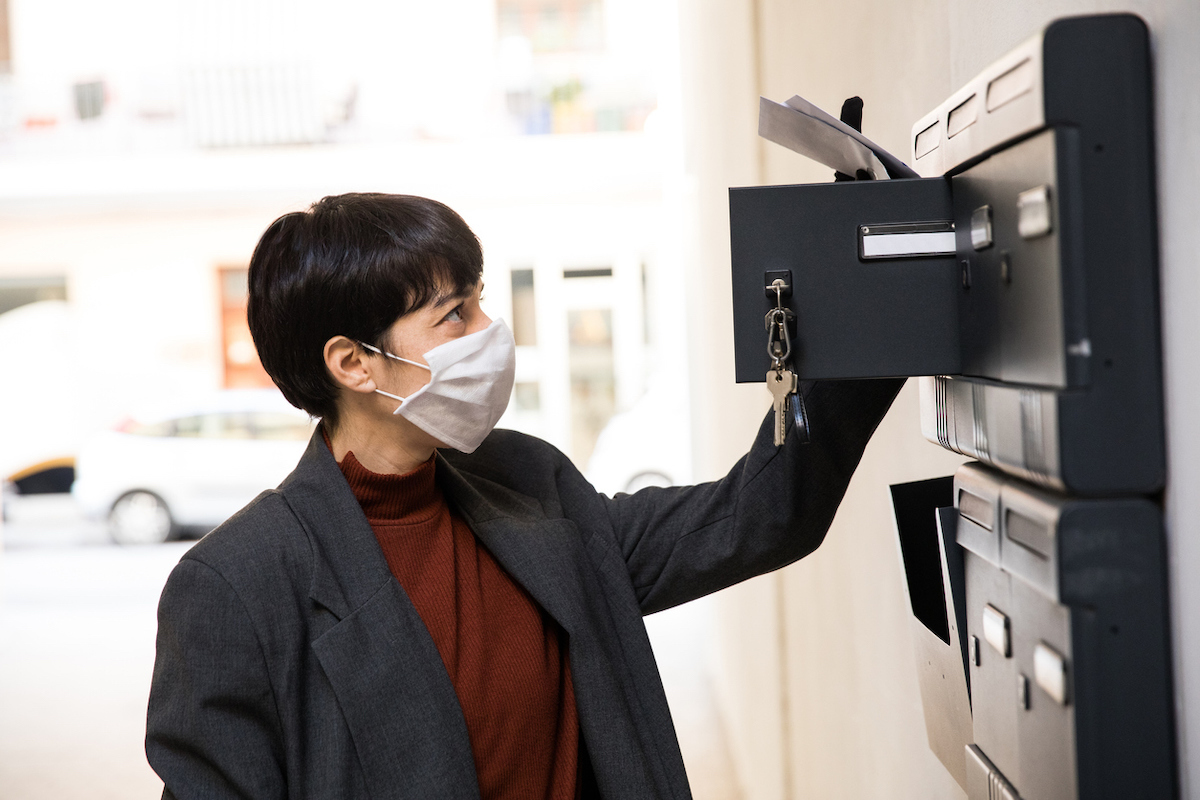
{"x":505,"y":656}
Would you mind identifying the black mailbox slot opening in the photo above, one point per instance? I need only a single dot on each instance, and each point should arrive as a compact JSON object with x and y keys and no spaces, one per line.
{"x":916,"y":507}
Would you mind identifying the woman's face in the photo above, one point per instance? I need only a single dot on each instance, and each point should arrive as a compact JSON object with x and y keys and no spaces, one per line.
{"x":448,"y":317}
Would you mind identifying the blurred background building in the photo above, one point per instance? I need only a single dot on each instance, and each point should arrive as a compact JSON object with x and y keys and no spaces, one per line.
{"x":145,"y":144}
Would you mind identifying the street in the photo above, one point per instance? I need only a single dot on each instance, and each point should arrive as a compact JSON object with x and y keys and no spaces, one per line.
{"x":77,"y":630}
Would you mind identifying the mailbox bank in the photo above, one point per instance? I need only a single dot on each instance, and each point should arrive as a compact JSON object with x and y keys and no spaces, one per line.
{"x":1016,"y":278}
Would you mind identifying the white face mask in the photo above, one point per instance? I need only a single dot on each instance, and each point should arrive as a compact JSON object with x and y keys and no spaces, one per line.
{"x":471,"y":379}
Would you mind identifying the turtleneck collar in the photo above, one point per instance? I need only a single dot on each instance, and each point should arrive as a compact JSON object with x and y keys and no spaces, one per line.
{"x":410,"y":498}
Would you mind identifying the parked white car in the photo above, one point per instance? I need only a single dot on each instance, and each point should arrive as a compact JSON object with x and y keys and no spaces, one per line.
{"x":645,"y":446}
{"x":192,"y":467}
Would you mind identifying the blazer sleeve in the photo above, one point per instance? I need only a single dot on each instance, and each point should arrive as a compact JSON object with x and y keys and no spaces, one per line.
{"x":773,"y":508}
{"x":212,"y":729}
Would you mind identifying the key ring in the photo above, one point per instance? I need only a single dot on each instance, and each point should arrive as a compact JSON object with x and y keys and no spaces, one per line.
{"x":777,"y":334}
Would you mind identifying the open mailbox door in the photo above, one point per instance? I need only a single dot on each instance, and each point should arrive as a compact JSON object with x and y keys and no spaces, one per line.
{"x":852,"y":320}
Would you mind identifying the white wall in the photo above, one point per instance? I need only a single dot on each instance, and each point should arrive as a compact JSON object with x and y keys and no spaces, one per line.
{"x":846,"y":719}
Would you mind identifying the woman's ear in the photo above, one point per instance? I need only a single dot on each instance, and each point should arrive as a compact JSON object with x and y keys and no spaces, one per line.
{"x":347,"y":362}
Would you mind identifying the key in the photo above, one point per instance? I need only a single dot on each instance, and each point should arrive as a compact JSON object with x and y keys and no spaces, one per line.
{"x":782,"y":383}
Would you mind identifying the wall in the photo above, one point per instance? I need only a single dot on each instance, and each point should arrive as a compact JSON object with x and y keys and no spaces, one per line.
{"x":845,"y":719}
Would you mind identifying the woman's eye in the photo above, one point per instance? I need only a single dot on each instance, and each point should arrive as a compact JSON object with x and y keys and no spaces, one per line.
{"x":454,"y":316}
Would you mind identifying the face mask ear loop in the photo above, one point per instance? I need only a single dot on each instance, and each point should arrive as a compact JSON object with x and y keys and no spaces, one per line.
{"x":395,"y":397}
{"x":398,"y":358}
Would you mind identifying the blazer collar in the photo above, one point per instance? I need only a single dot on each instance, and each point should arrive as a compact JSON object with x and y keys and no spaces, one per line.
{"x":349,"y":566}
{"x":542,"y":554}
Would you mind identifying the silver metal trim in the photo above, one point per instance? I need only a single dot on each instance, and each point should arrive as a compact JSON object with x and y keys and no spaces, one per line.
{"x":1050,"y":672}
{"x":981,"y":228}
{"x":905,"y":240}
{"x":1034,"y":213}
{"x":996,"y":630}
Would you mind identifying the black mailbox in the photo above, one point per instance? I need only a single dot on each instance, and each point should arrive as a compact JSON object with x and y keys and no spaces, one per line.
{"x":848,"y":322}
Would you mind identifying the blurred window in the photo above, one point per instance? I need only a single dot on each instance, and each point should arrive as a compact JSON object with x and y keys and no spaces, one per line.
{"x":17,"y":292}
{"x":162,"y":428}
{"x":237,"y":425}
{"x":588,"y":272}
{"x":189,"y":427}
{"x":593,"y":384}
{"x":281,"y":426}
{"x":254,"y":105}
{"x":233,"y":426}
{"x":243,"y":370}
{"x":553,"y":26}
{"x":271,"y":425}
{"x":524,"y":308}
{"x":89,"y":99}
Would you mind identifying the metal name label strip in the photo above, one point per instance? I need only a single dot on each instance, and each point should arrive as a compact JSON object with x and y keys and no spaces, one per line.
{"x":905,"y":240}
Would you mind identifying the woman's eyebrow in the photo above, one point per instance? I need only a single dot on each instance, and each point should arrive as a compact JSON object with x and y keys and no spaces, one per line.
{"x":451,"y":297}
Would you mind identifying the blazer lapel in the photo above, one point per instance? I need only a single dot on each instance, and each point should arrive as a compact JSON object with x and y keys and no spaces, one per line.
{"x":546,"y":556}
{"x":397,"y":699}
{"x":543,"y":555}
{"x":348,"y":565}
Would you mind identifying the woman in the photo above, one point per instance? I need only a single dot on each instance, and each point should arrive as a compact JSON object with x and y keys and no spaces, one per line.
{"x":428,"y":608}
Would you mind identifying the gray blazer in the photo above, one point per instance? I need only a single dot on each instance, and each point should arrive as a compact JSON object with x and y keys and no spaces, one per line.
{"x":292,"y":664}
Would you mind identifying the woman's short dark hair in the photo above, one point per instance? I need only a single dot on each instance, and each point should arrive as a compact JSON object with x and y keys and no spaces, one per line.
{"x":350,"y":265}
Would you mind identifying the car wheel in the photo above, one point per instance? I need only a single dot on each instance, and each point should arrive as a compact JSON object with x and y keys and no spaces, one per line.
{"x":140,"y":518}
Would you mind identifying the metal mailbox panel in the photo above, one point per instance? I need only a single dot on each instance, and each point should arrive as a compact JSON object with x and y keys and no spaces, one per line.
{"x":1022,"y":306}
{"x":994,"y":677}
{"x":977,"y":498}
{"x":1067,"y":171}
{"x":1045,"y":728}
{"x":855,"y":317}
{"x":1070,"y":688}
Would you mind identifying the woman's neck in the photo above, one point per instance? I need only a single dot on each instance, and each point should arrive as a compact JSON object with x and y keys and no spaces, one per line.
{"x":395,"y":447}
